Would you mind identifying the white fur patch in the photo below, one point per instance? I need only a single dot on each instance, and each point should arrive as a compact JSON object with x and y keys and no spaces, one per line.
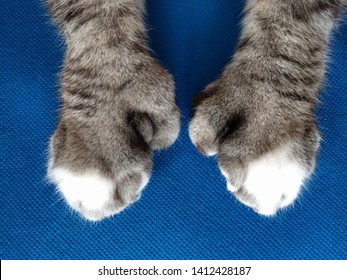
{"x":230,"y":186}
{"x":211,"y":153}
{"x":90,"y":194}
{"x":274,"y":180}
{"x":144,"y":181}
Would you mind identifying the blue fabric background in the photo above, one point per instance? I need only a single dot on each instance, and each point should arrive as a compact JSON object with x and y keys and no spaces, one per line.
{"x":185,"y":212}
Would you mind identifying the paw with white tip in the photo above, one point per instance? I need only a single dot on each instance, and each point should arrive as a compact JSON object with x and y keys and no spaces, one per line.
{"x":101,"y":150}
{"x":266,"y":145}
{"x":98,"y":180}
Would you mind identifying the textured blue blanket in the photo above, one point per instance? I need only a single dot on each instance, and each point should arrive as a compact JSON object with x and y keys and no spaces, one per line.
{"x":185,"y":212}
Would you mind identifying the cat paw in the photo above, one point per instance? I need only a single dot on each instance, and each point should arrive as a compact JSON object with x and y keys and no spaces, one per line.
{"x":98,"y":181}
{"x":101,"y":151}
{"x":266,"y":146}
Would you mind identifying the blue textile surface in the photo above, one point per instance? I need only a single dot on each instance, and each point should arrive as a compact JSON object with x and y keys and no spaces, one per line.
{"x":185,"y":212}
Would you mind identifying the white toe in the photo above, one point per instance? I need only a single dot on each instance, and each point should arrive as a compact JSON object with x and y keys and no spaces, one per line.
{"x":274,"y":180}
{"x":90,"y":193}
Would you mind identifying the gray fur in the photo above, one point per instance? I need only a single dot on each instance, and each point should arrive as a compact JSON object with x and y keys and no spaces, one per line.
{"x":118,"y":103}
{"x":266,"y":96}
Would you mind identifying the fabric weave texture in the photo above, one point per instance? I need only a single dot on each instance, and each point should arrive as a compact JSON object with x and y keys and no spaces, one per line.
{"x":185,"y":211}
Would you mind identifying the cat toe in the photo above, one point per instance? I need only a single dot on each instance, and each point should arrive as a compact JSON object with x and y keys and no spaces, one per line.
{"x":203,"y":136}
{"x":94,"y":196}
{"x":272,"y":182}
{"x":167,"y":130}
